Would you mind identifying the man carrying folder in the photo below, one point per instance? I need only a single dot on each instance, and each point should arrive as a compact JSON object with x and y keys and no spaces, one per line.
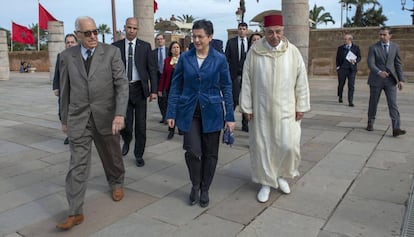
{"x":348,"y":56}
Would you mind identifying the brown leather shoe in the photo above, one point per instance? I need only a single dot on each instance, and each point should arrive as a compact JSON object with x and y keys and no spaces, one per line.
{"x":117,"y":194}
{"x":70,"y":222}
{"x":370,"y":127}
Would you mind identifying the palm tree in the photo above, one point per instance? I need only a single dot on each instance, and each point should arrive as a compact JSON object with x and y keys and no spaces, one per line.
{"x":359,"y":11}
{"x":374,"y":17}
{"x":316,"y":17}
{"x":104,"y":29}
{"x":186,"y":18}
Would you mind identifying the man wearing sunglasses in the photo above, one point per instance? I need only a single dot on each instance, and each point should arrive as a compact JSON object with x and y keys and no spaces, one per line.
{"x":94,"y":97}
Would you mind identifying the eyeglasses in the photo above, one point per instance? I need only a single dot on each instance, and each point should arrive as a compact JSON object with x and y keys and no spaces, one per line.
{"x":89,"y":32}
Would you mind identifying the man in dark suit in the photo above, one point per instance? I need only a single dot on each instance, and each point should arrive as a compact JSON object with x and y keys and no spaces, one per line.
{"x":94,"y":97}
{"x":386,"y":74}
{"x":159,"y":54}
{"x":141,"y":69}
{"x":348,"y":56}
{"x":70,"y":40}
{"x":215,"y":43}
{"x":236,"y":50}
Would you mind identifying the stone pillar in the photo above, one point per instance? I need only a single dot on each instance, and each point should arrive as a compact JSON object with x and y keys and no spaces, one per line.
{"x":56,"y":44}
{"x":296,"y":22}
{"x":4,"y":57}
{"x":144,"y":12}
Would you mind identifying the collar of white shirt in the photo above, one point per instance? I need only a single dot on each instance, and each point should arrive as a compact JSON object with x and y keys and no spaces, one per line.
{"x":274,"y":48}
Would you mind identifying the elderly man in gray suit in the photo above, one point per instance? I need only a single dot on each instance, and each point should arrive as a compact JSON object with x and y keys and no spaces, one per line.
{"x":385,"y":74}
{"x":94,"y":97}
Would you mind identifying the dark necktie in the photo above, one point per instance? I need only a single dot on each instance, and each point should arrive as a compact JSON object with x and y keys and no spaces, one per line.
{"x":88,"y":60}
{"x":242,"y":51}
{"x":130,"y":59}
{"x":160,"y":59}
{"x":386,"y":49}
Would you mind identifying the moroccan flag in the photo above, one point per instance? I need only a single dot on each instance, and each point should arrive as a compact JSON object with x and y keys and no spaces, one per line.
{"x":155,"y":6}
{"x":22,"y":34}
{"x":44,"y":17}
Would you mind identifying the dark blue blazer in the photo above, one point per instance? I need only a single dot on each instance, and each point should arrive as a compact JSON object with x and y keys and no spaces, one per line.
{"x":341,"y":61}
{"x":208,"y":85}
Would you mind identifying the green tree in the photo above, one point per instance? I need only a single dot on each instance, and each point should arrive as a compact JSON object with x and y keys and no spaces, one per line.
{"x":374,"y":17}
{"x":104,"y":29}
{"x":43,"y":37}
{"x":185,"y":18}
{"x":316,"y":16}
{"x":359,"y":9}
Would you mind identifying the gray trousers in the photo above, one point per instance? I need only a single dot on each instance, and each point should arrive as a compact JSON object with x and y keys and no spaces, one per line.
{"x":390,"y":90}
{"x":109,"y":151}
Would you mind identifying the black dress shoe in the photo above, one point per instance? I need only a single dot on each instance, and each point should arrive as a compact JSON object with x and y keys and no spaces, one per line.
{"x":162,"y":121}
{"x":170,"y":135}
{"x":125,"y":149}
{"x":397,"y":132}
{"x":66,"y":141}
{"x":370,"y":127}
{"x":340,"y":100}
{"x":139,"y":161}
{"x":194,"y":196}
{"x":351,"y":105}
{"x":204,"y":199}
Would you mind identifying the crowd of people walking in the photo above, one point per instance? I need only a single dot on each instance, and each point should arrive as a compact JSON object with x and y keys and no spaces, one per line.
{"x":104,"y":91}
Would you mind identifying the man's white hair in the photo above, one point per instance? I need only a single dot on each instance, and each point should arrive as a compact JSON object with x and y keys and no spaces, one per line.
{"x":80,"y":18}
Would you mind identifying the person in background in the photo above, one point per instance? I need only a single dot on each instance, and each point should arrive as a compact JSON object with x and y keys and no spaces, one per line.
{"x":236,"y":49}
{"x":93,"y":104}
{"x":141,"y":70}
{"x":70,"y":40}
{"x":254,"y":38}
{"x":214,"y":43}
{"x":274,"y":95}
{"x":200,"y":84}
{"x":165,"y":82}
{"x":386,"y":74}
{"x":160,"y":53}
{"x":348,"y":56}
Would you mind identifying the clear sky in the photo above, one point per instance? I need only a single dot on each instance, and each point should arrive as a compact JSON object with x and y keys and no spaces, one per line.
{"x":220,"y":12}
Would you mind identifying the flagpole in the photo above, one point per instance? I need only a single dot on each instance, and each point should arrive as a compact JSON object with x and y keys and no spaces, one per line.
{"x":114,"y":30}
{"x":38,"y":35}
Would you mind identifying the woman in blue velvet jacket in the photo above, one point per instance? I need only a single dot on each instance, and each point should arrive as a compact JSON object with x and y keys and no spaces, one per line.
{"x":200,"y":84}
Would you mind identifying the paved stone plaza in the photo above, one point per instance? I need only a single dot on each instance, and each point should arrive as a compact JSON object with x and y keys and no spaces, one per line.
{"x":352,"y":183}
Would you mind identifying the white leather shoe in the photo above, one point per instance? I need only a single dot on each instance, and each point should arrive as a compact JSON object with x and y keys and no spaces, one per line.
{"x":263,"y":194}
{"x":283,"y":185}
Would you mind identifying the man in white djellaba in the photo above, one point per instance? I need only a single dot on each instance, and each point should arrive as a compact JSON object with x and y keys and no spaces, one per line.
{"x":274,"y":95}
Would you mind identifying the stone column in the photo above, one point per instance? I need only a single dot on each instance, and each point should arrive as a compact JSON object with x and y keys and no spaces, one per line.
{"x":56,"y":44}
{"x":296,"y":22}
{"x":4,"y":57}
{"x":144,"y":12}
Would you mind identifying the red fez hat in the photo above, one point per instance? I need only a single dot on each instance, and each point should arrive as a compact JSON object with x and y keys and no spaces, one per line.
{"x":273,"y":20}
